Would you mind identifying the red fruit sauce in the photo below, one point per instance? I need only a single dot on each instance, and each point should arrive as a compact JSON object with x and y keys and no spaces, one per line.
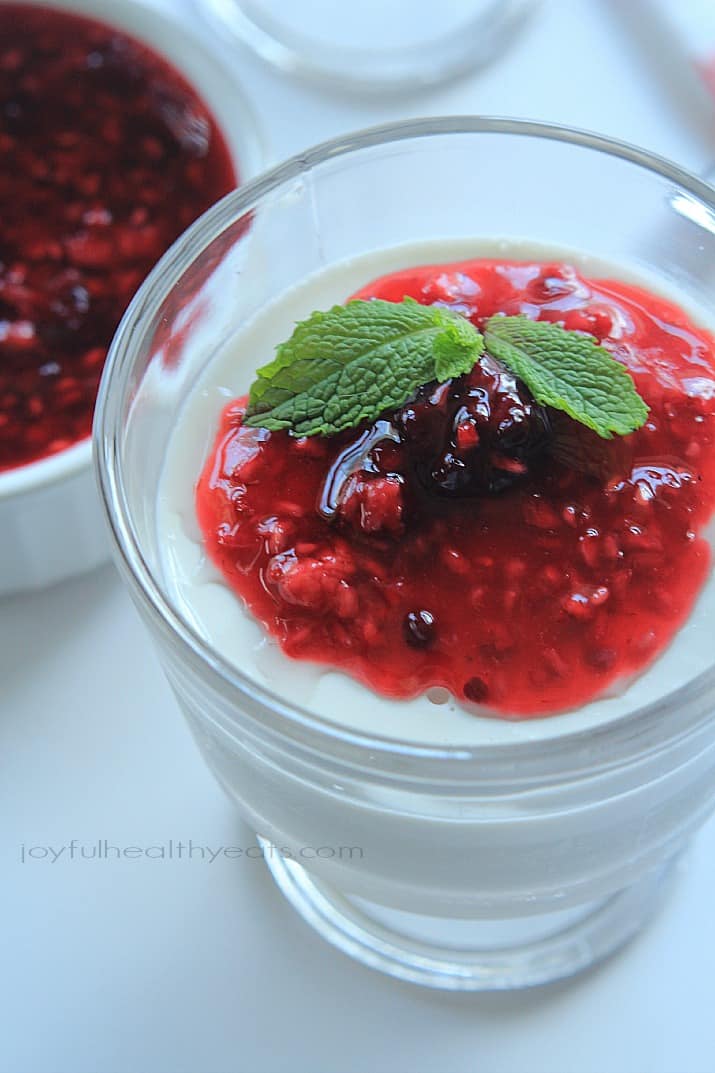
{"x":106,"y":156}
{"x":567,"y":571}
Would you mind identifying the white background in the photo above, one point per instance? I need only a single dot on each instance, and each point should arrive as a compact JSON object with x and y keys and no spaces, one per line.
{"x":166,"y":967}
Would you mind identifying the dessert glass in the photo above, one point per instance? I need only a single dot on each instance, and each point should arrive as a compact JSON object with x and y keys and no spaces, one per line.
{"x":461,"y":867}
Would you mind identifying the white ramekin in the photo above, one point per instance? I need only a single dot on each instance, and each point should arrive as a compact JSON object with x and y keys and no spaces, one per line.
{"x":51,"y":525}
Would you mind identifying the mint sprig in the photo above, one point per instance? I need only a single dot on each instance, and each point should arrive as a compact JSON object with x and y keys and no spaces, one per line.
{"x":354,"y":362}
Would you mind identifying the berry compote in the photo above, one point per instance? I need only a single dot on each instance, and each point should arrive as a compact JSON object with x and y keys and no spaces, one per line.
{"x":474,"y":539}
{"x":106,"y":156}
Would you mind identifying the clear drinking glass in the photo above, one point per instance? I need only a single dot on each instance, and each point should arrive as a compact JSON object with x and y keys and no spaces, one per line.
{"x":472,"y":867}
{"x":376,"y":46}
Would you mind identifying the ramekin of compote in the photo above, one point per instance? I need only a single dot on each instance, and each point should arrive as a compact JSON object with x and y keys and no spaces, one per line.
{"x":118,"y":127}
{"x":477,"y":836}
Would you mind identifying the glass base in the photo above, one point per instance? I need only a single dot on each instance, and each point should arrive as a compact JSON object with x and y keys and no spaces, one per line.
{"x":470,"y":955}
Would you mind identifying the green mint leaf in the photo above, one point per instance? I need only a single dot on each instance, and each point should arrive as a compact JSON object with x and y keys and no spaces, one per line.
{"x":353,"y":362}
{"x":568,"y":371}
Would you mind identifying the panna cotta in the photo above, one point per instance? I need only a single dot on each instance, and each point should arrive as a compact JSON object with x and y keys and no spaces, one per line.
{"x":472,"y":566}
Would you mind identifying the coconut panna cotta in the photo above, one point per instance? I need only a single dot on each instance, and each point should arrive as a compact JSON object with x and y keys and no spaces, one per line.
{"x":429,"y":570}
{"x":486,"y":530}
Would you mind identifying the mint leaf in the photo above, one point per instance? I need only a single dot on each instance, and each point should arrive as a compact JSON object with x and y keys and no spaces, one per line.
{"x":353,"y":362}
{"x":568,"y":371}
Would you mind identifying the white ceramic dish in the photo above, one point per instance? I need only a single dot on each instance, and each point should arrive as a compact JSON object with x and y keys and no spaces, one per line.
{"x":57,"y":495}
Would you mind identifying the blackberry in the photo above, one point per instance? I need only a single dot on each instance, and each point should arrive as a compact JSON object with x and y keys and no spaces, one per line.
{"x":472,"y":436}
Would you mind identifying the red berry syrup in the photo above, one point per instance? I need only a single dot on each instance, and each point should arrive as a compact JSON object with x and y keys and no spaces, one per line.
{"x":106,"y":156}
{"x":473,"y":539}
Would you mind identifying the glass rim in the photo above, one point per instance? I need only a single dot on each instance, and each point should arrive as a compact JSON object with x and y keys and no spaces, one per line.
{"x":675,"y":715}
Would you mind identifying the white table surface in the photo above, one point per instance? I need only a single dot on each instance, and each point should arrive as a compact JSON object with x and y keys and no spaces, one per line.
{"x":172,"y":966}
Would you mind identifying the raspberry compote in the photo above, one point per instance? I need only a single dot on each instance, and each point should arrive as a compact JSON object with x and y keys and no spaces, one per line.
{"x":106,"y":156}
{"x":473,"y":539}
